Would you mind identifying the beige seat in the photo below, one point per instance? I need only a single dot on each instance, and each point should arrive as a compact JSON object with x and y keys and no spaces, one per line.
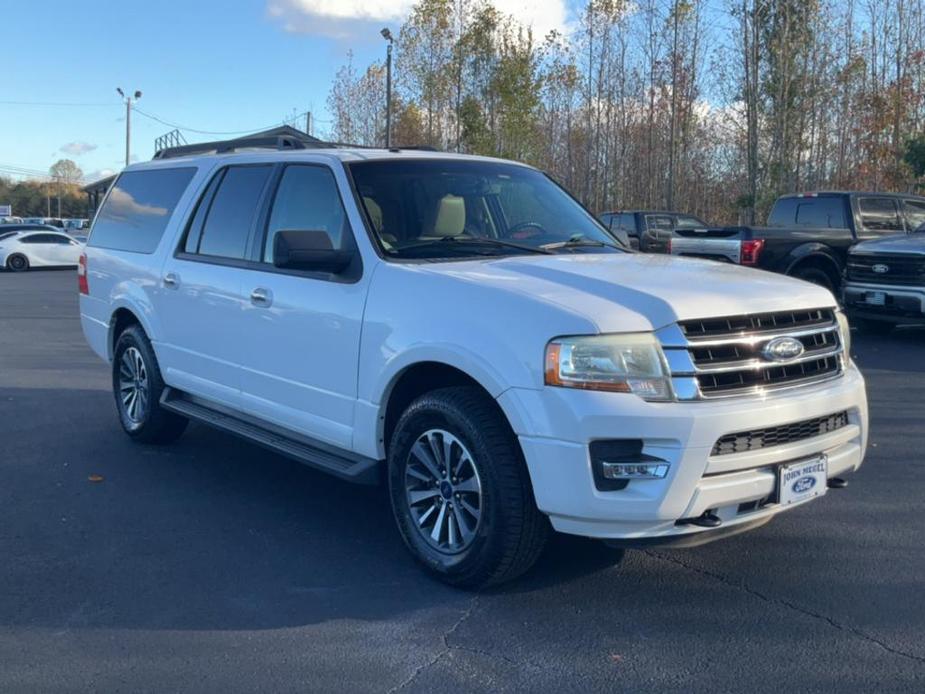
{"x":451,"y":216}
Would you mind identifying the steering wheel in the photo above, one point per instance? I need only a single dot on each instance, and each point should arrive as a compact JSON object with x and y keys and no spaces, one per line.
{"x":526,"y":230}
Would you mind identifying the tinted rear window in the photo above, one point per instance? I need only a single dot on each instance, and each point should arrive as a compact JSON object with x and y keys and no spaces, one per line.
{"x":137,"y":210}
{"x":825,"y":212}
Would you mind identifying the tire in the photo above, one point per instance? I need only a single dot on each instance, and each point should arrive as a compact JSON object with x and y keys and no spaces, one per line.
{"x":873,"y":327}
{"x":17,"y":263}
{"x":135,"y":370}
{"x":816,"y":276}
{"x":508,"y":534}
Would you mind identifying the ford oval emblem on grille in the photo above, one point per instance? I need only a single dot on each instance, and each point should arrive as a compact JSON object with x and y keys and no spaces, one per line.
{"x":880,"y":268}
{"x":782,"y":349}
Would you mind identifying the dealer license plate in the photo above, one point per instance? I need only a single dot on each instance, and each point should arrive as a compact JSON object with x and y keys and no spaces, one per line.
{"x":804,"y":480}
{"x":876,"y":298}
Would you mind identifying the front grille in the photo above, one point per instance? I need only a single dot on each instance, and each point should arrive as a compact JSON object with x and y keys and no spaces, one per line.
{"x":756,"y":439}
{"x":901,"y":270}
{"x":756,"y":323}
{"x":725,"y":357}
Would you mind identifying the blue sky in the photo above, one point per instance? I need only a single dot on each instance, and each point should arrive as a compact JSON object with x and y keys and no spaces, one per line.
{"x":232,"y":65}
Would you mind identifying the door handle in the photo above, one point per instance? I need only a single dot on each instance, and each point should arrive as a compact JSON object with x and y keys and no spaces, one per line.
{"x":171,"y":281}
{"x":261,"y":297}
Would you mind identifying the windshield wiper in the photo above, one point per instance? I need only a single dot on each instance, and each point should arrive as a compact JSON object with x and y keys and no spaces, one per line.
{"x":578,"y":241}
{"x":472,"y":241}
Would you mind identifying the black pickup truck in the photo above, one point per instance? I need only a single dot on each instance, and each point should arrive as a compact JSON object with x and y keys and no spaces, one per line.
{"x":808,"y":235}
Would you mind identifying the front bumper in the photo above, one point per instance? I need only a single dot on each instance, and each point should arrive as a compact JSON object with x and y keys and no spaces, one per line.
{"x":735,"y":487}
{"x":903,"y":304}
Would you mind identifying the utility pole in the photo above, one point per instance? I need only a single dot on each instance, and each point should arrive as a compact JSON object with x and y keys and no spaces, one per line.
{"x":387,"y":35}
{"x":308,"y":122}
{"x":129,"y":100}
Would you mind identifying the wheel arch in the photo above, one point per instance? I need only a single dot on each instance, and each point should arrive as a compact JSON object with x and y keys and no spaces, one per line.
{"x":817,"y":256}
{"x":122,"y":317}
{"x":417,"y":378}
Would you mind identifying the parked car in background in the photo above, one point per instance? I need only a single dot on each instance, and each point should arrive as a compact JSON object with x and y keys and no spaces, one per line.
{"x":10,"y":220}
{"x":21,"y":250}
{"x":462,"y":330}
{"x":808,"y":234}
{"x":14,"y":228}
{"x":885,"y":282}
{"x":650,"y":230}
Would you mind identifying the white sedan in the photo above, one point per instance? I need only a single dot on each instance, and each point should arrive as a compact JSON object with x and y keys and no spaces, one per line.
{"x":20,"y":250}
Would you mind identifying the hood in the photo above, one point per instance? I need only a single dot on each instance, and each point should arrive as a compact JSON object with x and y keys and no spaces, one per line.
{"x":623,"y":292}
{"x":895,"y":243}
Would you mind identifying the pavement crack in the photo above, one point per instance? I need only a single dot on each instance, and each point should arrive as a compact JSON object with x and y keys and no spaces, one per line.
{"x":742,"y":585}
{"x":473,"y":604}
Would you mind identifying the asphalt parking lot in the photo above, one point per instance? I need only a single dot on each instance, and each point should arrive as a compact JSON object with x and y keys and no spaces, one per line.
{"x":215,"y":565}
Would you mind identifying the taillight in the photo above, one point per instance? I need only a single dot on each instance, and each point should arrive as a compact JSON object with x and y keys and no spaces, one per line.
{"x":751,"y":250}
{"x":82,"y":284}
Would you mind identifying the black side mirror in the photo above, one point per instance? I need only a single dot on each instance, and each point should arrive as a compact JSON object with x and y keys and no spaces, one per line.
{"x":295,"y":249}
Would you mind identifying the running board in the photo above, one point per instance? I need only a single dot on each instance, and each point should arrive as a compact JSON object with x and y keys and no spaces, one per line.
{"x":350,"y":467}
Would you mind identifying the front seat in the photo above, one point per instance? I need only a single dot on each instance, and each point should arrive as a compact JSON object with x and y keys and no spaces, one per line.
{"x":451,"y":216}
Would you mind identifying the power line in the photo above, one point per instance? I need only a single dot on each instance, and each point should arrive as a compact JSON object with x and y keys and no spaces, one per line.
{"x":213,"y":132}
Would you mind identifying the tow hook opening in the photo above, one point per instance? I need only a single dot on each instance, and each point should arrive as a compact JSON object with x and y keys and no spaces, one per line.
{"x":837,"y":483}
{"x":708,"y":519}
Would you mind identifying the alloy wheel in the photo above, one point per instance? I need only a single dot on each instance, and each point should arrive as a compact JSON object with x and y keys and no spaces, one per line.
{"x":443,"y":491}
{"x":133,"y":385}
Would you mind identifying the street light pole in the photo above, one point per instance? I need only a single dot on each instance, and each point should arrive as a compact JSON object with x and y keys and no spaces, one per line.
{"x":387,"y":35}
{"x":129,"y":100}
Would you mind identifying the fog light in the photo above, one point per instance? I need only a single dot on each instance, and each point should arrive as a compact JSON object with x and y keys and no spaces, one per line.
{"x":634,"y":471}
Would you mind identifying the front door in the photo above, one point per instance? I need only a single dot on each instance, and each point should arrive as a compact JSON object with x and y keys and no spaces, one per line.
{"x":200,"y":300}
{"x":301,"y":335}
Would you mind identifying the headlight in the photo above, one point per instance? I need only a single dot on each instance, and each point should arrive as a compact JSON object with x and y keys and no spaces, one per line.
{"x":845,"y":331}
{"x":630,"y":363}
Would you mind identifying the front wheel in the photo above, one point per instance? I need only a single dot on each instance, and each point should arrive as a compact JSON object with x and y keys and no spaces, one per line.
{"x":17,"y":263}
{"x":137,"y":386}
{"x":460,"y":491}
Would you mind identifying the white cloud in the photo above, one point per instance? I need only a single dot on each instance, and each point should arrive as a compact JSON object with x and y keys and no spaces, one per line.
{"x":348,"y":18}
{"x":77,"y":148}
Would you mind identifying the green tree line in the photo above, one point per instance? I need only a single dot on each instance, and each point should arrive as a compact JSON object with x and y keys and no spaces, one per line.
{"x":714,"y":107}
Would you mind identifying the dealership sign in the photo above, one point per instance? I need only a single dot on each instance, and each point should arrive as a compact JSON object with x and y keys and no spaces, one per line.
{"x":6,"y":210}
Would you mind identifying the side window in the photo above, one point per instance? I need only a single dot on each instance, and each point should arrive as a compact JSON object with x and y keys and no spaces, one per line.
{"x":915,"y":214}
{"x":879,"y":215}
{"x":306,"y":200}
{"x":231,"y":214}
{"x":659,"y":222}
{"x":137,"y":209}
{"x":32,"y":238}
{"x":607,"y":220}
{"x":688,"y":222}
{"x":627,"y":222}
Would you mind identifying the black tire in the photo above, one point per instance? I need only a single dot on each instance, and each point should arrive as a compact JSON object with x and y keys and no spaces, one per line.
{"x":17,"y":263}
{"x":149,"y":423}
{"x":816,"y":276}
{"x":511,"y":532}
{"x":873,"y":327}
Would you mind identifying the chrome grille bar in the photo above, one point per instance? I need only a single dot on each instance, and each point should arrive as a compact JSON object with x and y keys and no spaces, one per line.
{"x":706,"y":363}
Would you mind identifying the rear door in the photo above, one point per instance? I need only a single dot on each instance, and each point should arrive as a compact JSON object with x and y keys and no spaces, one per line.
{"x":301,"y":330}
{"x":200,"y":301}
{"x":41,"y":249}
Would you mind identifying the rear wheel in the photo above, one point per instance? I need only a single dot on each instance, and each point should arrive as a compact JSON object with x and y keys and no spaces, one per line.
{"x":816,"y":276}
{"x":460,"y":491}
{"x":137,"y":386}
{"x":17,"y":263}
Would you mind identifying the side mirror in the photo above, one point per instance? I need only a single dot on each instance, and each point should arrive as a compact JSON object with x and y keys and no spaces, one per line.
{"x":295,"y":249}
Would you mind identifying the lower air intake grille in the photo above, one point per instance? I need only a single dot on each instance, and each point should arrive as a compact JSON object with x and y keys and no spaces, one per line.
{"x":756,"y":439}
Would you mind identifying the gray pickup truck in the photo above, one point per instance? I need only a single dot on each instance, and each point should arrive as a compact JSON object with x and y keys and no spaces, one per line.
{"x":885,"y":282}
{"x":808,"y":235}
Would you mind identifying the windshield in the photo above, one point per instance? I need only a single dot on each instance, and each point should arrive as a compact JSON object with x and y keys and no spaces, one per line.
{"x":457,"y":208}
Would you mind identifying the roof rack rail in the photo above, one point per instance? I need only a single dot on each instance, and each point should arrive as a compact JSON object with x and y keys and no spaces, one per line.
{"x":416,"y":148}
{"x":225,"y":146}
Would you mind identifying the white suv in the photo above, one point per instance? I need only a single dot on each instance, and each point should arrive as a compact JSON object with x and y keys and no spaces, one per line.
{"x":462,"y":330}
